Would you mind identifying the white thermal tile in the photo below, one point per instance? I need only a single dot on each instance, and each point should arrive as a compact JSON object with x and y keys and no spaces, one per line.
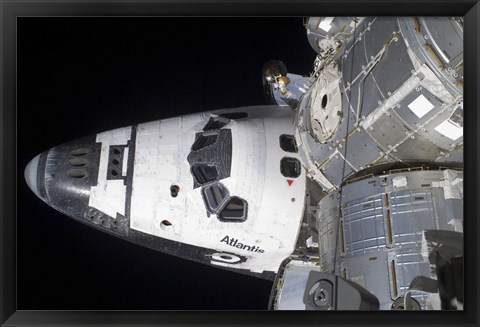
{"x":325,"y":24}
{"x":421,"y":106}
{"x":450,"y":130}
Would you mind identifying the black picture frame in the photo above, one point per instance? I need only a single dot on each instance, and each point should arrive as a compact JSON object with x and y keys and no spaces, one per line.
{"x":10,"y":316}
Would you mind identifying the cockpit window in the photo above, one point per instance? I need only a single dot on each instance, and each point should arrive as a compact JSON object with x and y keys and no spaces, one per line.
{"x":288,"y":144}
{"x":234,"y":211}
{"x":204,"y":173}
{"x":290,"y":167}
{"x":204,"y":140}
{"x":214,"y":195}
{"x":216,"y":123}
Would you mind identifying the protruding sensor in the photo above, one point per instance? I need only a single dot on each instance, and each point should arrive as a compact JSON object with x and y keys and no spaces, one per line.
{"x":280,"y":87}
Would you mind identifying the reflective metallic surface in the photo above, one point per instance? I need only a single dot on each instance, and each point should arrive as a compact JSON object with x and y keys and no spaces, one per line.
{"x":395,"y":105}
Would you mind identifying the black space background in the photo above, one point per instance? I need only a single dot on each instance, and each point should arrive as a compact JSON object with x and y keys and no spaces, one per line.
{"x":81,"y":76}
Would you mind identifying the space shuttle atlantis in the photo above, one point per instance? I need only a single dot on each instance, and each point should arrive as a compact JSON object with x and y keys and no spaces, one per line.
{"x":347,"y":190}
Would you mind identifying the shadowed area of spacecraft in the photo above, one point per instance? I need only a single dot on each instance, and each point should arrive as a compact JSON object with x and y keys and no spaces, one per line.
{"x":288,"y":143}
{"x":210,"y":158}
{"x":205,"y":140}
{"x":216,"y":123}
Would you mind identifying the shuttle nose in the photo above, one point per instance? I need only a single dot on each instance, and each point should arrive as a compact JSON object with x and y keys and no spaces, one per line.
{"x":31,"y":174}
{"x":64,"y":175}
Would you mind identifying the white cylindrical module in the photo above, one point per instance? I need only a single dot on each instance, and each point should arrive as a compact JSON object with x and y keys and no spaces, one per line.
{"x":372,"y":233}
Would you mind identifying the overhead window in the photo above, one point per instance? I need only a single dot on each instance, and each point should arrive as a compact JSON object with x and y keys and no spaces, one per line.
{"x":288,"y":144}
{"x":212,"y":152}
{"x":214,"y":195}
{"x":216,"y":123}
{"x":234,"y":115}
{"x":204,"y":173}
{"x":234,"y":211}
{"x":290,"y":167}
{"x":204,"y":140}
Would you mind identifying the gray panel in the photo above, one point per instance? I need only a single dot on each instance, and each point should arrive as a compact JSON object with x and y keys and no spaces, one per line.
{"x":364,"y":225}
{"x":419,"y":149}
{"x":399,"y":206}
{"x":451,"y":157}
{"x":367,"y":271}
{"x":388,"y":131}
{"x":372,"y":272}
{"x":411,"y":213}
{"x":361,"y":149}
{"x":446,"y":210}
{"x":327,"y":219}
{"x":440,"y":140}
{"x":449,"y":39}
{"x":410,"y":264}
{"x":372,"y":95}
{"x":354,"y":57}
{"x":363,"y":97}
{"x":394,"y":68}
{"x":408,"y":116}
{"x":422,"y":34}
{"x":429,"y":121}
{"x":343,"y":128}
{"x":336,"y":169}
{"x":380,"y":31}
